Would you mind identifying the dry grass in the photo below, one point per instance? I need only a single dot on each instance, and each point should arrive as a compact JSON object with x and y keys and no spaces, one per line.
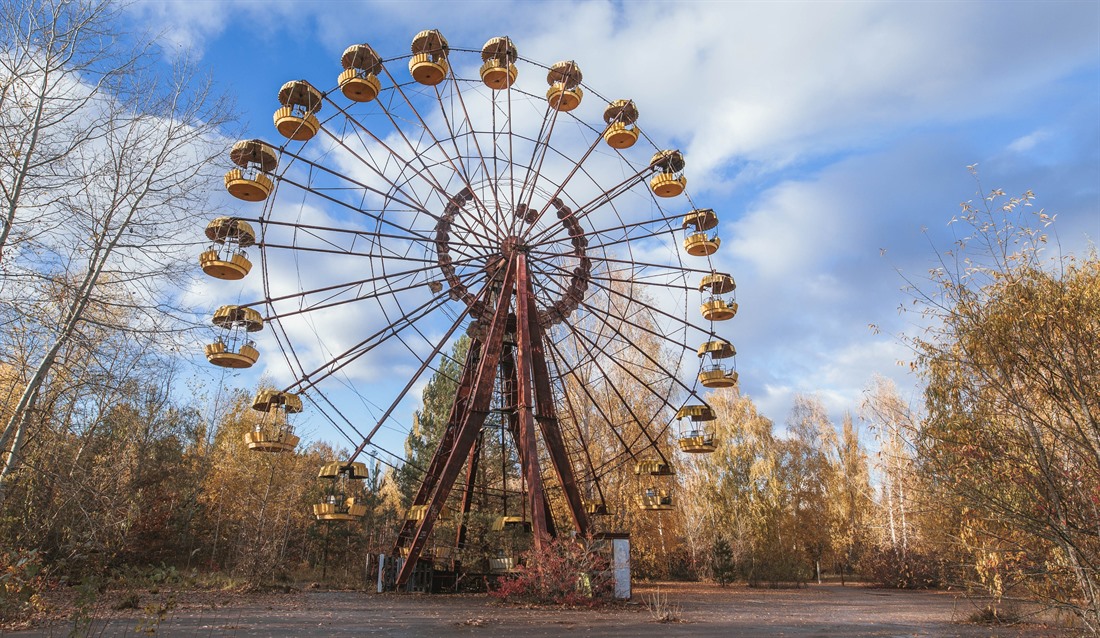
{"x":661,"y":609}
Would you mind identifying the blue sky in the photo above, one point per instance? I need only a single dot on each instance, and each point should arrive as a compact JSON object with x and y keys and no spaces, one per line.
{"x":833,"y":138}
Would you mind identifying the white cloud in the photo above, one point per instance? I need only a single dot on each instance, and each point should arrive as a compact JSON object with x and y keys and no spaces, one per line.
{"x":1028,"y":142}
{"x":822,"y":133}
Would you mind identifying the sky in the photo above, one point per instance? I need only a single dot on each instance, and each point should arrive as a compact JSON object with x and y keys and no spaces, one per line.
{"x":833,"y":139}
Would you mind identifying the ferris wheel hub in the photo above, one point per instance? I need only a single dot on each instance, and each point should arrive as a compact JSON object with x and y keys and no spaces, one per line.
{"x":511,"y":245}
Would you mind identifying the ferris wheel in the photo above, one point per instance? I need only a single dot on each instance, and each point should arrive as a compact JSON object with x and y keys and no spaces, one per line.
{"x":413,"y":199}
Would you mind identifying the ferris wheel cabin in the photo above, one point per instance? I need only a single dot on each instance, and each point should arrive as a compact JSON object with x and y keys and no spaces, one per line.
{"x":339,"y":503}
{"x":620,"y":117}
{"x":669,"y":180}
{"x":717,"y":375}
{"x":255,"y":160}
{"x":565,"y":92}
{"x":273,"y":433}
{"x":225,"y":258}
{"x":428,"y":64}
{"x":234,"y":348}
{"x":498,"y":69}
{"x":359,"y":79}
{"x":296,"y":119}
{"x":697,"y":437}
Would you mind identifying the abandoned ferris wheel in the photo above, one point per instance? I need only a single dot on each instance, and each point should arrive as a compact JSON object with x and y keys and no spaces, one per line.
{"x":450,"y":198}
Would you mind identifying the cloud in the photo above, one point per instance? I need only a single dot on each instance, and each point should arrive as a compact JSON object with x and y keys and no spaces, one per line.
{"x":822,"y":133}
{"x":1028,"y":142}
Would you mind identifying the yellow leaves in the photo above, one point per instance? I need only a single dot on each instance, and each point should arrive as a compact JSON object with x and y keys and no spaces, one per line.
{"x":1012,"y":374}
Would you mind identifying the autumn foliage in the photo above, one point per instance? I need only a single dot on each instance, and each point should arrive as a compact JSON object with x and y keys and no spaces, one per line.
{"x":1012,"y":433}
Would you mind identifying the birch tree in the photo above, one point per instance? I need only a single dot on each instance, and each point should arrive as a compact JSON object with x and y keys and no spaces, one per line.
{"x":852,"y":503}
{"x":813,"y":478}
{"x":104,"y":175}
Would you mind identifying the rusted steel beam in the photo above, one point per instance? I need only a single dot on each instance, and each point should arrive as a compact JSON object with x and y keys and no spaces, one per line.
{"x":472,"y":418}
{"x":547,"y":415}
{"x":509,"y":390}
{"x":510,"y":386}
{"x":468,"y":493}
{"x":536,"y":497}
{"x":446,"y":442}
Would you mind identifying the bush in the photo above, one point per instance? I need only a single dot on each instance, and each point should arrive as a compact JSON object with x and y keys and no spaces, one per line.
{"x":20,"y":583}
{"x":916,"y":570}
{"x":565,"y":572}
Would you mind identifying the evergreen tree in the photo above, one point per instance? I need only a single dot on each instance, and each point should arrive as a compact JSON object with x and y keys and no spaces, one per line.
{"x":430,"y":421}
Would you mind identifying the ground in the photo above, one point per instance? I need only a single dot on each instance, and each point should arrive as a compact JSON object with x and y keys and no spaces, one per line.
{"x":703,"y":610}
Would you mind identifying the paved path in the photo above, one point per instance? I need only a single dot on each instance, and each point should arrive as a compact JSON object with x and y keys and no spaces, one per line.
{"x":815,"y":611}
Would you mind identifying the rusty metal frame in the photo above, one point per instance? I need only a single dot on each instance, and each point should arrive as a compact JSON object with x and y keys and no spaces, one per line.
{"x":525,"y":381}
{"x":468,"y":417}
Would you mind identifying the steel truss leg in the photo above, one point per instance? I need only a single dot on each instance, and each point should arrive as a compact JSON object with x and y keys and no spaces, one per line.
{"x":528,"y":327}
{"x":470,"y":418}
{"x":526,"y":380}
{"x":446,"y":442}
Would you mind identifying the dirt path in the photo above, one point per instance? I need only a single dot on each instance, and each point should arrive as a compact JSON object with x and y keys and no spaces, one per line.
{"x":825,"y":610}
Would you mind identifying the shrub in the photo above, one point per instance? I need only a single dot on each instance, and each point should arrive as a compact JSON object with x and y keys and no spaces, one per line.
{"x":565,"y":572}
{"x":916,"y":570}
{"x":20,"y":583}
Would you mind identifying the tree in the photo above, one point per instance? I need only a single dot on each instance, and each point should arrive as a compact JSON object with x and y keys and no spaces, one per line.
{"x":813,"y":474}
{"x":256,"y":506}
{"x":914,"y":526}
{"x":104,"y":168}
{"x":721,"y":562}
{"x":852,"y":500}
{"x":742,"y":492}
{"x":1012,"y":362}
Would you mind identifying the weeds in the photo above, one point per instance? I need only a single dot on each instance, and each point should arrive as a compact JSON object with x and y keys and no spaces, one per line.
{"x":995,"y":614}
{"x":155,"y":613}
{"x":661,"y":609}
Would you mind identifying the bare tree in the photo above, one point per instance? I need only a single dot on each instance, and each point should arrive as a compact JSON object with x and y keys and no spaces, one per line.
{"x":102,"y":187}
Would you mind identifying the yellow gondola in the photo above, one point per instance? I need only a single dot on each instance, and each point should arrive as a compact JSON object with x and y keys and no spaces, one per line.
{"x":669,"y":180}
{"x":717,"y":375}
{"x":498,"y":69}
{"x":697,"y":242}
{"x":296,"y":119}
{"x":338,"y":505}
{"x":620,"y":117}
{"x":565,"y":93}
{"x":359,"y":79}
{"x":254,"y":160}
{"x":225,"y":258}
{"x":234,"y":348}
{"x":696,"y":438}
{"x":428,"y":64}
{"x":274,"y":432}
